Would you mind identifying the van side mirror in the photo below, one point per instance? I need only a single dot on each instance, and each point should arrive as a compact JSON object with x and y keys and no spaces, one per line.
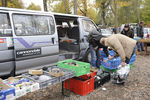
{"x":99,"y":30}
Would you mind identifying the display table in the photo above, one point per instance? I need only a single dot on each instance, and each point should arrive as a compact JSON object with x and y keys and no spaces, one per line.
{"x":145,"y":41}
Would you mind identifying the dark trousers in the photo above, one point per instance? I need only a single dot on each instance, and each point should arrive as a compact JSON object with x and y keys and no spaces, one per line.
{"x":128,"y":59}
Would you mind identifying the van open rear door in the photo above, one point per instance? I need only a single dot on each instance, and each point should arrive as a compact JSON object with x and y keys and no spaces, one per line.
{"x":35,"y":41}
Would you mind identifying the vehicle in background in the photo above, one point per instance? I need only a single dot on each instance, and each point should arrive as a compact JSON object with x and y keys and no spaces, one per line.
{"x":34,"y":39}
{"x":106,"y":32}
{"x":132,"y":26}
{"x":146,"y":32}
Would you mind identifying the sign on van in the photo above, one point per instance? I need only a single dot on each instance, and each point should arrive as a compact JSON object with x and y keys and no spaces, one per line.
{"x":28,"y":52}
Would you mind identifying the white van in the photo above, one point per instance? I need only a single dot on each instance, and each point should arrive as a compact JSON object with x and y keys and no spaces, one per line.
{"x":34,"y":39}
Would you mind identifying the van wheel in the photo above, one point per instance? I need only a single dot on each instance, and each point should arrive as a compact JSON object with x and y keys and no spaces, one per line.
{"x":87,"y":57}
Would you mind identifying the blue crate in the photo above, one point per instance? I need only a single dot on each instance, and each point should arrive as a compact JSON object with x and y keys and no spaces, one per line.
{"x":5,"y":93}
{"x":111,"y":64}
{"x":133,"y":59}
{"x":103,"y":55}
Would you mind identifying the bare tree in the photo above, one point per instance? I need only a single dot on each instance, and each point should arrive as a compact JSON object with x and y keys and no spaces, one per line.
{"x":115,"y":15}
{"x":75,"y":7}
{"x":65,"y":6}
{"x":138,"y":12}
{"x":104,"y":5}
{"x":45,"y":5}
{"x":4,"y":3}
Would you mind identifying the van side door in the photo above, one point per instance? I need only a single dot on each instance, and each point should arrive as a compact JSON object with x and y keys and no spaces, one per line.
{"x":35,"y":41}
{"x":86,"y":25}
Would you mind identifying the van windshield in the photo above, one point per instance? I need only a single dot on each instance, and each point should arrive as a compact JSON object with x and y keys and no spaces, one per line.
{"x":5,"y":27}
{"x":29,"y":25}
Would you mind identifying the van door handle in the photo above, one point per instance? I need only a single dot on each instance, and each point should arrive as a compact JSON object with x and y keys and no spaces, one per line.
{"x":53,"y":40}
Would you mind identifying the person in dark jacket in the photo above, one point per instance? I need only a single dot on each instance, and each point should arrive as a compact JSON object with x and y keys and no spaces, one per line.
{"x":140,"y":34}
{"x":94,"y":45}
{"x":127,"y":31}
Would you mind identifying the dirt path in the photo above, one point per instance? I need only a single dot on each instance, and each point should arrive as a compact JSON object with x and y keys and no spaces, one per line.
{"x":137,"y":88}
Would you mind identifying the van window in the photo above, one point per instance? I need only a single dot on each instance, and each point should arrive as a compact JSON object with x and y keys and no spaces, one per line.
{"x":29,"y":25}
{"x":88,"y":25}
{"x":5,"y":27}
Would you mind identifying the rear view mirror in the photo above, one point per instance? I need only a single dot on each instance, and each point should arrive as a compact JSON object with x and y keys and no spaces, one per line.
{"x":99,"y":30}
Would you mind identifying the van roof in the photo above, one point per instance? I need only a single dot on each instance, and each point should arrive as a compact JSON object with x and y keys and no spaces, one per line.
{"x":23,"y":10}
{"x":69,"y":15}
{"x":34,"y":11}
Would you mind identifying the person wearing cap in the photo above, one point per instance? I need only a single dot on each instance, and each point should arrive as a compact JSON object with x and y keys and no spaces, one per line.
{"x":124,"y":46}
{"x":127,"y":31}
{"x":140,"y":34}
{"x":94,"y":45}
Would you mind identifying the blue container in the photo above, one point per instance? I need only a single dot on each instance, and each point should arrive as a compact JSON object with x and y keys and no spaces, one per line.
{"x":103,"y":55}
{"x":133,"y":59}
{"x":111,"y":64}
{"x":5,"y":93}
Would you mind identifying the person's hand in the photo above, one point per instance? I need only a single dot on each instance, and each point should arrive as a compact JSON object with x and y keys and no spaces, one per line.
{"x":96,"y":48}
{"x":110,"y":57}
{"x":123,"y":64}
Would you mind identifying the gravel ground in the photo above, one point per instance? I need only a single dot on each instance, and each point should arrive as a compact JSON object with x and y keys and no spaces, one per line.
{"x":137,"y":87}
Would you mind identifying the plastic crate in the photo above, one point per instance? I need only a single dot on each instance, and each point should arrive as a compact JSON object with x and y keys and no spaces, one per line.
{"x":81,"y":69}
{"x":80,"y":86}
{"x":108,"y":70}
{"x":103,"y":55}
{"x":112,"y":70}
{"x":43,"y":84}
{"x":133,"y":59}
{"x":67,"y":73}
{"x":8,"y":94}
{"x":111,"y":64}
{"x":91,"y":74}
{"x":101,"y":79}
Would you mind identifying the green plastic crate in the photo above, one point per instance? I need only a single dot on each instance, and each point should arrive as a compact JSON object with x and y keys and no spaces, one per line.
{"x":114,"y":70}
{"x":81,"y":69}
{"x":131,"y":66}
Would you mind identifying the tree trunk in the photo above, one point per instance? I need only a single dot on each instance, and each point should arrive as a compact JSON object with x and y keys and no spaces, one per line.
{"x":2,"y":3}
{"x":5,"y":3}
{"x":138,"y":13}
{"x":85,"y":7}
{"x":45,"y":5}
{"x":115,"y":15}
{"x":75,"y":7}
{"x":103,"y":15}
{"x":66,"y":10}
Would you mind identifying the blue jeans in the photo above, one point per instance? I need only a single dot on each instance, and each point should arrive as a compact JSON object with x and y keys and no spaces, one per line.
{"x":95,"y":57}
{"x":140,"y":45}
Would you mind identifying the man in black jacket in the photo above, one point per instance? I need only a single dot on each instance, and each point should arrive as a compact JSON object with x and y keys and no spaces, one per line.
{"x":140,"y":34}
{"x":127,"y":31}
{"x":94,"y":45}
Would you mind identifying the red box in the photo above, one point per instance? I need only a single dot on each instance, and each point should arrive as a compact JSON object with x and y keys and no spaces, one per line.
{"x":81,"y":85}
{"x":86,"y":76}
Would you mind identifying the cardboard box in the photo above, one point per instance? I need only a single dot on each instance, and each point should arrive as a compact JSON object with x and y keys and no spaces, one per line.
{"x":36,"y":72}
{"x":7,"y":93}
{"x":56,"y":74}
{"x":93,"y":70}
